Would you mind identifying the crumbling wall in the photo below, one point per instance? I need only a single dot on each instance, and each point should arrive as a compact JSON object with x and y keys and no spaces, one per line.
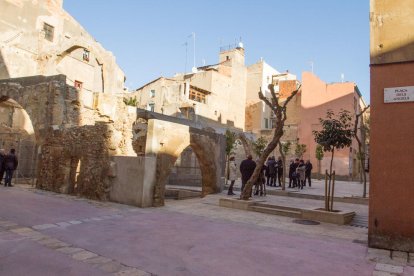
{"x":76,"y":161}
{"x":76,"y":133}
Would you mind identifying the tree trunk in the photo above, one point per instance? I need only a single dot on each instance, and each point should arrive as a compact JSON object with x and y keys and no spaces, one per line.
{"x":246,"y":193}
{"x":319,"y":170}
{"x":284,"y":166}
{"x":361,"y":151}
{"x":330,"y":179}
{"x":227,"y":168}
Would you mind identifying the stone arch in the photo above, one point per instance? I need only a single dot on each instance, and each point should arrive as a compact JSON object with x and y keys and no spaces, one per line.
{"x":68,"y":48}
{"x":29,"y":103}
{"x":247,"y":144}
{"x":100,"y":72}
{"x":209,"y":150}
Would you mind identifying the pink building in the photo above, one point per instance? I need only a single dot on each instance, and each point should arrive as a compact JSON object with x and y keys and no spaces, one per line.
{"x":316,"y":98}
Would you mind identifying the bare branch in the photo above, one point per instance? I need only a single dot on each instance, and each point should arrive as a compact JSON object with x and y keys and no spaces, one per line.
{"x":288,"y":99}
{"x":363,"y":110}
{"x":266,"y":100}
{"x":275,"y":99}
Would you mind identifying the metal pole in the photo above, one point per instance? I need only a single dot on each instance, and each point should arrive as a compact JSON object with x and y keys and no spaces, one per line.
{"x":194,"y":51}
{"x":17,"y":170}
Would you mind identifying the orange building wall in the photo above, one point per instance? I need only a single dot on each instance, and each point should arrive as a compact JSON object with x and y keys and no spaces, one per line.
{"x":391,"y":210}
{"x":317,"y":98}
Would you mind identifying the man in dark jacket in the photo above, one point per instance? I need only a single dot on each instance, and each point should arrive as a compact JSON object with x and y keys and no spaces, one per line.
{"x":271,"y":171}
{"x":308,"y":172}
{"x":247,"y":167}
{"x":292,"y":173}
{"x":11,"y":164}
{"x":2,"y":165}
{"x":280,"y":170}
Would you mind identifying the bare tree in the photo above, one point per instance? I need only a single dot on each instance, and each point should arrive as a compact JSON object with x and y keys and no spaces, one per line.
{"x":361,"y":151}
{"x":284,"y":149}
{"x":279,"y":111}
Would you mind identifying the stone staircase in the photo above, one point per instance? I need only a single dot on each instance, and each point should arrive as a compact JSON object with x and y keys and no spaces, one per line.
{"x":360,"y":221}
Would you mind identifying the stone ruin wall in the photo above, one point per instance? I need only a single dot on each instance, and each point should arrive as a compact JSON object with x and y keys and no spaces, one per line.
{"x":76,"y":136}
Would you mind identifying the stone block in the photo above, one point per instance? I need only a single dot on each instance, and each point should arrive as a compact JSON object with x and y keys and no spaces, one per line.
{"x":48,"y":241}
{"x":69,"y":250}
{"x":63,"y":224}
{"x":98,"y":260}
{"x":411,"y":259}
{"x":83,"y":255}
{"x":133,"y":272}
{"x":393,"y":269}
{"x":235,"y":203}
{"x":381,"y":273}
{"x":399,"y":257}
{"x":340,"y":218}
{"x":22,"y":231}
{"x":44,"y":226}
{"x":56,"y":245}
{"x":112,"y":267}
{"x":379,"y":255}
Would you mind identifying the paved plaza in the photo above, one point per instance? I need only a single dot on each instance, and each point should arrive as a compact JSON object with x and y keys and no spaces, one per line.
{"x":43,"y":233}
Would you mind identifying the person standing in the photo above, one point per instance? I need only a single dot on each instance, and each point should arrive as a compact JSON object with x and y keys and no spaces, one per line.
{"x":295,"y":175}
{"x":247,"y":167}
{"x":2,"y":165}
{"x":280,"y":170}
{"x":271,"y":171}
{"x":11,"y":164}
{"x":291,"y":174}
{"x":308,"y":172}
{"x":301,"y":170}
{"x":232,"y":175}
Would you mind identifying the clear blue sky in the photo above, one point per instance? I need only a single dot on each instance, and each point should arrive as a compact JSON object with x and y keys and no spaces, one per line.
{"x":147,"y":37}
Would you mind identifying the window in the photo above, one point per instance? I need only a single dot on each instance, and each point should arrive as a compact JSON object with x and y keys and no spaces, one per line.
{"x":152,"y":93}
{"x":86,"y":54}
{"x":151,"y":107}
{"x":49,"y":31}
{"x":78,"y":85}
{"x":266,"y":123}
{"x":197,"y":96}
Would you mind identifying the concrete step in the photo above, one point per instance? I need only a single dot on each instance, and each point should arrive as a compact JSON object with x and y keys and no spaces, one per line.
{"x":181,"y":194}
{"x":276,"y":211}
{"x":360,"y":221}
{"x":267,"y":205}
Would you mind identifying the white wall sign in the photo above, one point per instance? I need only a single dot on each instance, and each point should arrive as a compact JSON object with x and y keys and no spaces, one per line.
{"x":399,"y":94}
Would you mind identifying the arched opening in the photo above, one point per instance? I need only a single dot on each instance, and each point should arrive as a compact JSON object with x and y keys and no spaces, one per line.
{"x":82,"y":69}
{"x":185,"y":178}
{"x":206,"y":155}
{"x":17,"y":132}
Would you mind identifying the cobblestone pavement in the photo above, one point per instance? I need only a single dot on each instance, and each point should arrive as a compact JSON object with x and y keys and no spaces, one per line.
{"x":43,"y":233}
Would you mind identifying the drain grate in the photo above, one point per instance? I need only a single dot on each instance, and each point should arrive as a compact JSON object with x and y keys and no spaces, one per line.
{"x":306,"y":222}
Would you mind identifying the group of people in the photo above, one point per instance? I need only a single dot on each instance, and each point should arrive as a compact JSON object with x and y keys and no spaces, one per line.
{"x":299,"y":172}
{"x":8,"y":164}
{"x":271,"y":174}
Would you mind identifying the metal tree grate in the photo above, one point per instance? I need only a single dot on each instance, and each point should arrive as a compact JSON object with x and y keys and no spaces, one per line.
{"x":306,"y":222}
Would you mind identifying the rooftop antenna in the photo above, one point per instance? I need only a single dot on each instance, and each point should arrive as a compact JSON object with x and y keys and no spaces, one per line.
{"x":240,"y":43}
{"x":342,"y":77}
{"x":194,"y":51}
{"x":204,"y":62}
{"x":311,"y":64}
{"x":186,"y":56}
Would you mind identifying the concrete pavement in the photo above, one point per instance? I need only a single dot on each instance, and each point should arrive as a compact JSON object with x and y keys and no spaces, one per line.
{"x":43,"y":233}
